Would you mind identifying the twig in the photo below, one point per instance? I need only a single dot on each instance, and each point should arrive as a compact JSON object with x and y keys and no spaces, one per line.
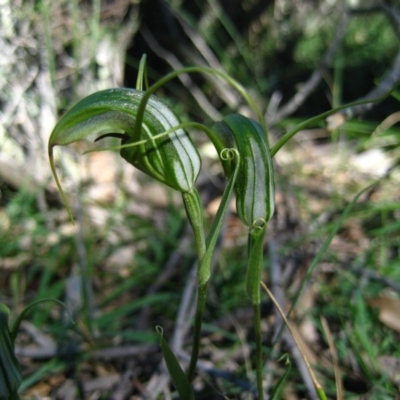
{"x":156,"y":384}
{"x":125,"y":385}
{"x":387,"y":84}
{"x":370,"y":274}
{"x":17,"y":174}
{"x":289,"y":338}
{"x":47,"y":348}
{"x":302,"y":363}
{"x":121,"y":352}
{"x":338,"y":378}
{"x":186,"y":310}
{"x":164,"y":276}
{"x":186,"y":80}
{"x":207,"y":367}
{"x":161,"y":379}
{"x":208,"y":58}
{"x":101,"y":383}
{"x":307,"y":88}
{"x":197,"y":40}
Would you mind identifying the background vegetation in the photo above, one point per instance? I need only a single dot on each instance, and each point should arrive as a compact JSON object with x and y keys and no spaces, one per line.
{"x":124,"y":267}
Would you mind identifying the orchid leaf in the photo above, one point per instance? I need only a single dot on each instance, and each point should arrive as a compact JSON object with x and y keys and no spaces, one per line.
{"x":180,"y":380}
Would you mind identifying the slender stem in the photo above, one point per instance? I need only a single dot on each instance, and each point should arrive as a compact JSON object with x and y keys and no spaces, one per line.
{"x":194,"y":211}
{"x":253,"y":278}
{"x":205,"y":250}
{"x":63,"y":196}
{"x":254,"y":268}
{"x":257,"y":332}
{"x":198,"y":320}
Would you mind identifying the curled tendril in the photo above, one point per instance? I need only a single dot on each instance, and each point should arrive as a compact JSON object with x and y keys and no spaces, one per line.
{"x":259,"y":224}
{"x":229,"y":154}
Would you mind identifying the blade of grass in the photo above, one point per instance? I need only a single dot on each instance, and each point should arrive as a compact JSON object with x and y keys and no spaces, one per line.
{"x":323,"y":250}
{"x":280,"y":385}
{"x":338,"y":379}
{"x":317,"y":385}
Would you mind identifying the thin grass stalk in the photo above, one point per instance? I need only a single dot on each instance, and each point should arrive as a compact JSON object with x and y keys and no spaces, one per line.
{"x":336,"y":368}
{"x":319,"y":256}
{"x":319,"y":389}
{"x":302,"y":125}
{"x":236,"y":38}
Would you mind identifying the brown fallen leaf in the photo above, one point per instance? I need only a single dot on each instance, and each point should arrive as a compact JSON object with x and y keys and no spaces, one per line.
{"x":389,"y":311}
{"x":390,"y":365}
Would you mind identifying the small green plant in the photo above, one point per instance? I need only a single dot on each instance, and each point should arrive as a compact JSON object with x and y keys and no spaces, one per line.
{"x":10,"y":372}
{"x":155,"y":141}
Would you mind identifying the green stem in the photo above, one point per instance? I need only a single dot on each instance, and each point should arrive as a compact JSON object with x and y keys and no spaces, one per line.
{"x":254,"y":268}
{"x":205,"y":252}
{"x":198,"y":320}
{"x":257,"y":332}
{"x":194,"y":211}
{"x":253,"y":279}
{"x":321,"y":394}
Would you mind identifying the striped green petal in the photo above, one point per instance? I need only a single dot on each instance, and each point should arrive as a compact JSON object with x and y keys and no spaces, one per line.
{"x":254,"y":186}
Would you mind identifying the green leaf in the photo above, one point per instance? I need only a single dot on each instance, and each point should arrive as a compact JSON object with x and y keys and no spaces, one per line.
{"x":21,"y":316}
{"x":10,"y":372}
{"x":178,"y":377}
{"x":289,"y":134}
{"x":276,"y":393}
